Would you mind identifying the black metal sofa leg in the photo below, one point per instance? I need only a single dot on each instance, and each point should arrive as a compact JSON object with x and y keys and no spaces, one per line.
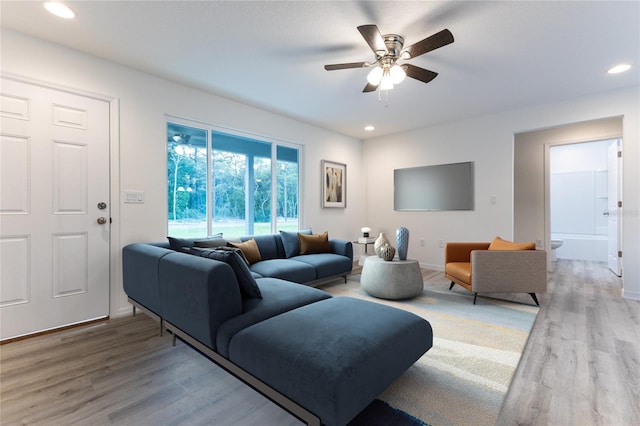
{"x":535,"y":299}
{"x":452,"y":284}
{"x":475,"y":296}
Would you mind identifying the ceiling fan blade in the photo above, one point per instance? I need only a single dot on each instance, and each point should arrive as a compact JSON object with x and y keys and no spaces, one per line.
{"x":433,"y":42}
{"x":369,"y":88}
{"x":373,"y":37}
{"x":334,"y":67}
{"x":419,"y":73}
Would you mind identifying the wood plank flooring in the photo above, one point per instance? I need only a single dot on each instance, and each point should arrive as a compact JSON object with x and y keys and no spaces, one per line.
{"x":122,"y":372}
{"x":581,"y":366}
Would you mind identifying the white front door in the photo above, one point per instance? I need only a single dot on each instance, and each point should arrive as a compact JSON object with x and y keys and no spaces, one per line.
{"x":613,"y":210}
{"x":54,"y":175}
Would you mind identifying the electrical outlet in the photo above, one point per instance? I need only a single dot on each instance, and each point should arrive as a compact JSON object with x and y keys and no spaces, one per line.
{"x":441,"y":243}
{"x":421,"y":242}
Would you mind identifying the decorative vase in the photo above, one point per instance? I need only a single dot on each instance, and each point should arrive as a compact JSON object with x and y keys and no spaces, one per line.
{"x":402,"y":242}
{"x":382,"y":240}
{"x":387,"y":252}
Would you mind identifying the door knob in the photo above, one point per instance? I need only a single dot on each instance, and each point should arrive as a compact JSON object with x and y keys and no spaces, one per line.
{"x":102,"y":220}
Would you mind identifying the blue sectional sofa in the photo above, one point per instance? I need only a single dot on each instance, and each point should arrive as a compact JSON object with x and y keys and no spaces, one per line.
{"x":324,"y":359}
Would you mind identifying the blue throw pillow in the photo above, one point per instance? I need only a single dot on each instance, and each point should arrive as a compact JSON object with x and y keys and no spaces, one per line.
{"x":290,"y":242}
{"x":248,"y":286}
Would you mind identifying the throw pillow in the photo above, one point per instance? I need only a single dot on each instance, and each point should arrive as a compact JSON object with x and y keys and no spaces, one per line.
{"x":249,"y":249}
{"x":315,"y":243}
{"x":184,"y":244}
{"x":291,"y":243}
{"x":210,"y":243}
{"x":248,"y":286}
{"x":500,"y":244}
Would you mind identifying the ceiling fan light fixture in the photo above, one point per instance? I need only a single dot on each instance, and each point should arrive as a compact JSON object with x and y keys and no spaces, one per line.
{"x":397,"y":74}
{"x":375,"y":76}
{"x":387,"y":82}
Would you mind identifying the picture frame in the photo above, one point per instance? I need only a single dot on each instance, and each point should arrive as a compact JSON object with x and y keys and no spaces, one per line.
{"x":334,"y":184}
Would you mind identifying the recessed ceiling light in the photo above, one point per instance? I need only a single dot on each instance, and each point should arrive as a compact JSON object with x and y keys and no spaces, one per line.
{"x":619,"y":68}
{"x":59,"y":10}
{"x":369,"y":128}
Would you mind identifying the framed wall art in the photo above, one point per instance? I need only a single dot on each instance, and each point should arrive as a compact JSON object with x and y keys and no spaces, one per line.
{"x":334,"y":184}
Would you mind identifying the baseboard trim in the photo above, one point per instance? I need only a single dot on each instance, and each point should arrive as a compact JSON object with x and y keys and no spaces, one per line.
{"x":53,"y":330}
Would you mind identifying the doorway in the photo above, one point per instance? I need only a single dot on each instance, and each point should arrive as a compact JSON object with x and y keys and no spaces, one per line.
{"x":584,"y":194}
{"x":54,"y":207}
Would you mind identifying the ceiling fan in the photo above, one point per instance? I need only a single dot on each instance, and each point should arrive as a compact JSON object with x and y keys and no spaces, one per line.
{"x":389,"y":49}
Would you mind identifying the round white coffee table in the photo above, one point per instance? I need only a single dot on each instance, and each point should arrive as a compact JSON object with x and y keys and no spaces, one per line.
{"x":396,"y":279}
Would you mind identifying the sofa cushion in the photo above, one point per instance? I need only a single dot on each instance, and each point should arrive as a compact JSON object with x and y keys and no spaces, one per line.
{"x":500,"y":244}
{"x":326,"y":264}
{"x":460,"y":270}
{"x":249,"y":249}
{"x":248,"y":286}
{"x":183,"y":244}
{"x":291,"y":243}
{"x":278,"y":296}
{"x":337,"y":369}
{"x":286,"y":269}
{"x":316,"y":243}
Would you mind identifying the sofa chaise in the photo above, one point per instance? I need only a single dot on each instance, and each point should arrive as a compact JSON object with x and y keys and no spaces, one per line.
{"x":324,"y":359}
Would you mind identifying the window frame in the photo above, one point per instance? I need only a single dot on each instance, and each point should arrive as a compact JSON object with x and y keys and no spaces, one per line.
{"x":274,"y":143}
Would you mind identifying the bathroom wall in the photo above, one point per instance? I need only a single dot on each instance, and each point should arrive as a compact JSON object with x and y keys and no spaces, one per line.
{"x":578,"y":193}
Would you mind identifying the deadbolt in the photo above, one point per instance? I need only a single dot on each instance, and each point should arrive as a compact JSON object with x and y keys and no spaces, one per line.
{"x":102,"y":206}
{"x":102,"y":220}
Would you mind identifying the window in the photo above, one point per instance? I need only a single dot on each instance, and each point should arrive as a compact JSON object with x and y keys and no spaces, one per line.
{"x":222,"y":182}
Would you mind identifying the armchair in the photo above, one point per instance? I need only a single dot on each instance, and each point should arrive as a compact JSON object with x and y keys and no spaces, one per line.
{"x":481,"y":269}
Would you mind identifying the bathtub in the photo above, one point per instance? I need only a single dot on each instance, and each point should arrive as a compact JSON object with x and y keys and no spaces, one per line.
{"x":592,"y":247}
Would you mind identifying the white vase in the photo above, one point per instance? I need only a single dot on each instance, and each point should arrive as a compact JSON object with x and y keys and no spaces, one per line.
{"x":380,"y":242}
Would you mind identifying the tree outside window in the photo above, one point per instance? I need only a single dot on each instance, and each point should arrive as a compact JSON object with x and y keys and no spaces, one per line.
{"x":232,"y":191}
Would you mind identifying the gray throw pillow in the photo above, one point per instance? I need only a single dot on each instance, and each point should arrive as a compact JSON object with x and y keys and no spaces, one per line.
{"x":184,"y":244}
{"x":248,"y":286}
{"x":291,"y":243}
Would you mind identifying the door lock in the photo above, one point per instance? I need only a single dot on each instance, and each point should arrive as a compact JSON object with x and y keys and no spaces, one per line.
{"x":102,"y":205}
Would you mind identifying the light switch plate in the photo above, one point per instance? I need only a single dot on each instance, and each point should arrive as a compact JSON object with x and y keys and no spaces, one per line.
{"x":134,"y":197}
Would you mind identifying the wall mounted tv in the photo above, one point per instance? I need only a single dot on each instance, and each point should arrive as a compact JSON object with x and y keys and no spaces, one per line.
{"x":438,"y":187}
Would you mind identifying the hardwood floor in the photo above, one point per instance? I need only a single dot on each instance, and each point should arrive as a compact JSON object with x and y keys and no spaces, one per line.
{"x":581,"y":366}
{"x":123,"y":372}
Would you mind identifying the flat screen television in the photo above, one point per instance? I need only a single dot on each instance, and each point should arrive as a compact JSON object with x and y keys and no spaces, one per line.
{"x":438,"y":187}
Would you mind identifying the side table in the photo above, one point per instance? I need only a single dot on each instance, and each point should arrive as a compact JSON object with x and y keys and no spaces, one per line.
{"x":396,"y":279}
{"x":364,"y":256}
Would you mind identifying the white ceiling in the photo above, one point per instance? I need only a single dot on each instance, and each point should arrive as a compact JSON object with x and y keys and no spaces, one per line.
{"x":271,"y":53}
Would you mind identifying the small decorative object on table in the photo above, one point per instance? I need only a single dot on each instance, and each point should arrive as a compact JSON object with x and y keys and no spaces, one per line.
{"x":365,"y":231}
{"x":387,"y":252}
{"x":381,"y":241}
{"x":402,"y":242}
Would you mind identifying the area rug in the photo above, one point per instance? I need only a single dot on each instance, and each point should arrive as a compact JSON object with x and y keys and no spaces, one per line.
{"x":380,"y":413}
{"x":464,"y":377}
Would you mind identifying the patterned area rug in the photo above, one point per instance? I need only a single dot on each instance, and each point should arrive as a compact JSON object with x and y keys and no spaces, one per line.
{"x":464,"y":377}
{"x":379,"y":413}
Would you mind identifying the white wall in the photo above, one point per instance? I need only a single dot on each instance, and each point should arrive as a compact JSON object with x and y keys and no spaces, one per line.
{"x":139,"y":160}
{"x":489,"y":142}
